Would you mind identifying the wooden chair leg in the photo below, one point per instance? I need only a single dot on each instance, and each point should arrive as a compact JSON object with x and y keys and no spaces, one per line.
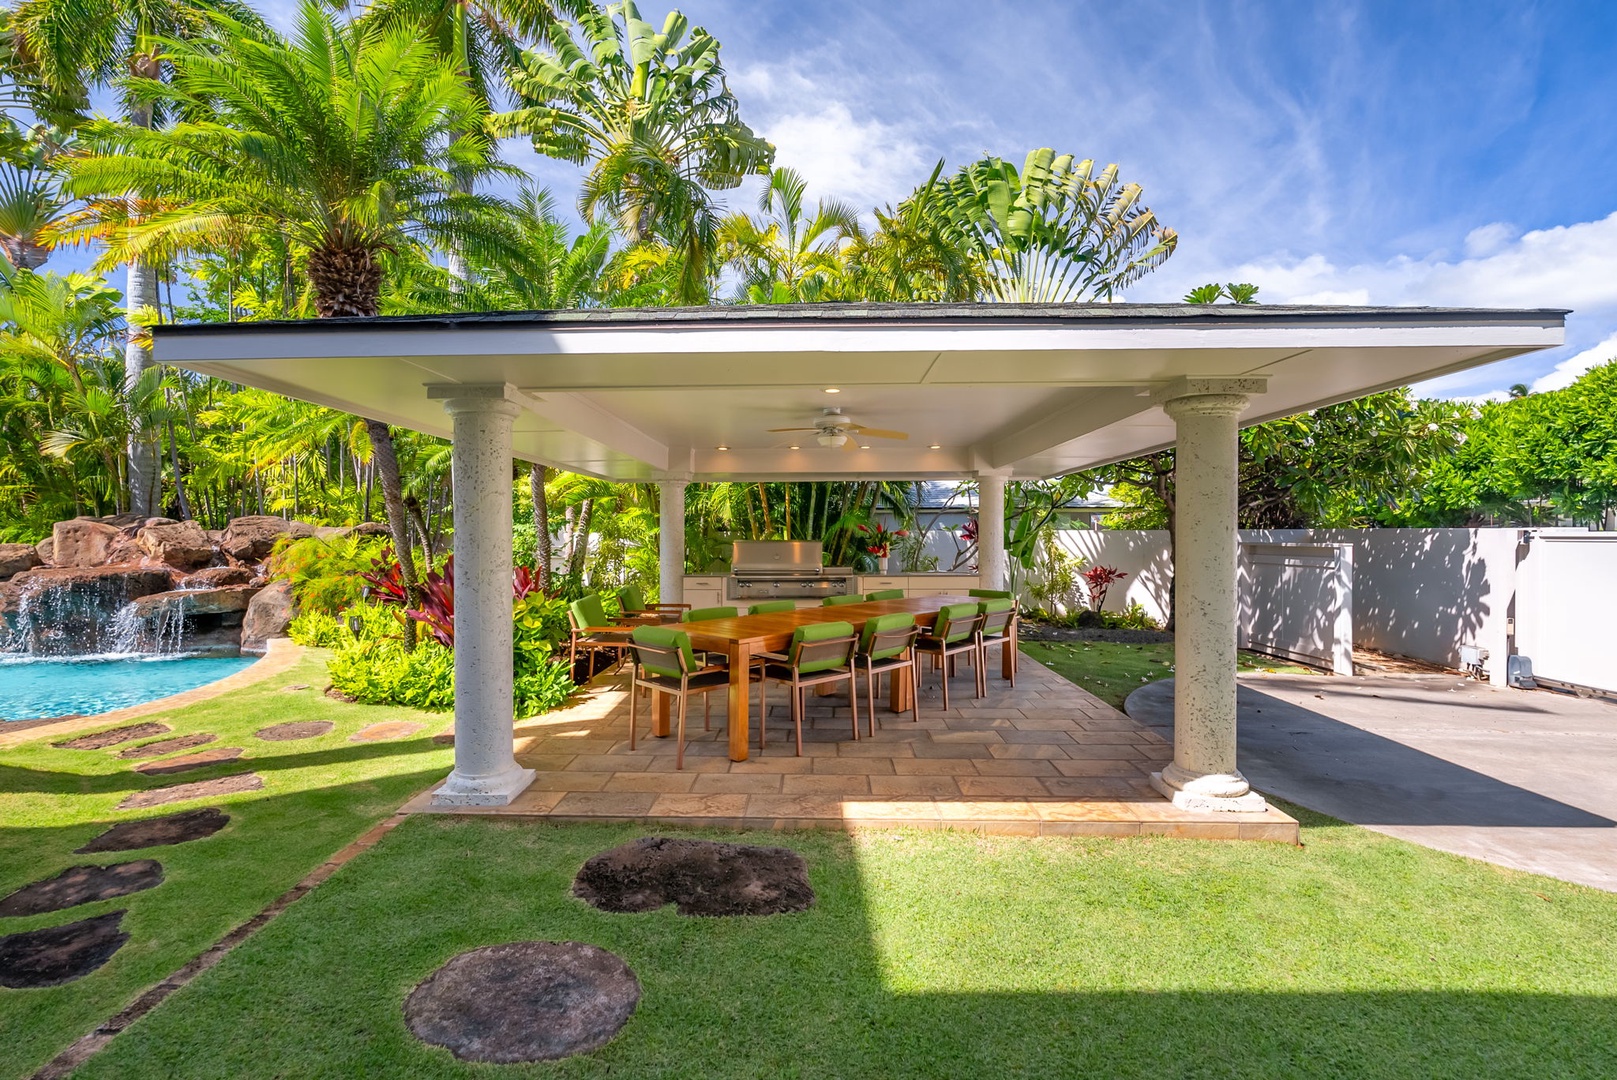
{"x":946,"y":686}
{"x":634,"y":700}
{"x":679,"y":752}
{"x":797,"y":715}
{"x":707,"y":713}
{"x":915,"y":690}
{"x":870,"y":685}
{"x":853,"y":700}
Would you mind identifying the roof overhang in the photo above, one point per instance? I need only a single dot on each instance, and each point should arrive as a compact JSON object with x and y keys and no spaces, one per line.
{"x":1025,"y":390}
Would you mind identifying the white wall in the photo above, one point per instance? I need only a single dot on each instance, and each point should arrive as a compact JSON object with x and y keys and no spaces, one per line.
{"x":1296,"y":601}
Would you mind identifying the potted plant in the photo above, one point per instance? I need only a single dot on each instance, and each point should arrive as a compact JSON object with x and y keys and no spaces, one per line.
{"x":877,"y":542}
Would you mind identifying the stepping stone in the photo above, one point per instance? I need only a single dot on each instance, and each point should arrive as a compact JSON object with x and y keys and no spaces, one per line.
{"x":59,"y":954}
{"x":305,"y":729}
{"x":168,"y":746}
{"x":159,"y":831}
{"x":113,"y":736}
{"x":188,"y":762}
{"x":702,"y":877}
{"x":82,"y":884}
{"x":524,"y":1001}
{"x":387,"y":729}
{"x":200,"y":789}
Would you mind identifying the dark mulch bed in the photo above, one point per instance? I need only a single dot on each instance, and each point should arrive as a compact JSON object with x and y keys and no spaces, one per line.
{"x":168,"y":746}
{"x":59,"y":954}
{"x":81,"y":885}
{"x":702,"y":877}
{"x":303,"y":729}
{"x":100,"y":740}
{"x":159,"y":831}
{"x":200,"y":789}
{"x":187,"y":762}
{"x":524,"y":1001}
{"x":1038,"y":632}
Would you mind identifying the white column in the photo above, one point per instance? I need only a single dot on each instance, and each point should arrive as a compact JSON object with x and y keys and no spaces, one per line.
{"x":991,"y":530}
{"x":486,"y":773}
{"x":671,"y":541}
{"x":1203,"y":775}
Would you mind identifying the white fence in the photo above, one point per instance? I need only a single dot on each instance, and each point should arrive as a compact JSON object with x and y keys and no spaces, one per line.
{"x":1296,"y":601}
{"x":1424,"y":593}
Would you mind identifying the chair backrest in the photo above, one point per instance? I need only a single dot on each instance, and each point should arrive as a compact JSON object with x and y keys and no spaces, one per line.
{"x":822,"y":646}
{"x":702,"y":614}
{"x":662,"y":650}
{"x":956,"y":622}
{"x":769,"y":607}
{"x":631,"y":598}
{"x":887,"y":594}
{"x":838,"y":601}
{"x":991,"y":594}
{"x":587,"y":611}
{"x":886,"y":636}
{"x":996,"y":616}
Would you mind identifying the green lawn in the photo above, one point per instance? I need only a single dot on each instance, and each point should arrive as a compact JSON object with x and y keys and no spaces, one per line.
{"x":1112,"y":671}
{"x":318,"y":795}
{"x":945,"y":954}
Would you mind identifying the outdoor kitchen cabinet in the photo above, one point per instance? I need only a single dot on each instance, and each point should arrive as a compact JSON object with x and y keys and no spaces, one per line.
{"x":920,"y":584}
{"x":701,"y":592}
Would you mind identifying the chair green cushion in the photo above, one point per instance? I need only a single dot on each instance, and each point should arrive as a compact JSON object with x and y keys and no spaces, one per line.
{"x":706,"y":613}
{"x":898,"y":620}
{"x":995,"y":607}
{"x":992,"y":594}
{"x":631,"y":598}
{"x":837,"y":601}
{"x":666,"y":637}
{"x":826,"y":631}
{"x":953,"y":621}
{"x":588,"y":611}
{"x":887,"y":594}
{"x":771,"y":606}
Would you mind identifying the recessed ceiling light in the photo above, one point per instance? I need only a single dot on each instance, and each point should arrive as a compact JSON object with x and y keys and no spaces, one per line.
{"x":833,"y":390}
{"x":795,"y":448}
{"x":864,"y":448}
{"x":935,"y":446}
{"x":721,"y":448}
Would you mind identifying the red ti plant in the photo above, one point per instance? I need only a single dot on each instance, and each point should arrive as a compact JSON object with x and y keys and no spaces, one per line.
{"x":437,"y":610}
{"x":878,"y":539}
{"x":1098,"y":579}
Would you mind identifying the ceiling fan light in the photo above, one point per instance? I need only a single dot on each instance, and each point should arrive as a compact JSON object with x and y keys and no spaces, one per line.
{"x":831,"y":438}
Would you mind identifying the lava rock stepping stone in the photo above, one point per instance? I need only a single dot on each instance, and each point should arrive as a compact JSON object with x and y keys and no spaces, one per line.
{"x":100,"y":740}
{"x":159,"y":831}
{"x":81,"y":885}
{"x":702,"y":877}
{"x":59,"y":954}
{"x":524,"y":1001}
{"x":188,"y":762}
{"x":387,"y":729}
{"x":168,"y":746}
{"x":305,"y":729}
{"x":199,"y":789}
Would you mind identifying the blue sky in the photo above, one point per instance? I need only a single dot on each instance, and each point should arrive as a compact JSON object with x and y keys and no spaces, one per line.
{"x":1387,"y":153}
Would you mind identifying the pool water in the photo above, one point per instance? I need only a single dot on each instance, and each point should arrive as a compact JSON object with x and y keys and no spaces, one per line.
{"x":33,"y":689}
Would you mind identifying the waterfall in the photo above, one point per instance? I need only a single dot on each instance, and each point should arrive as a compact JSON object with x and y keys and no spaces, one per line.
{"x":68,"y":613}
{"x":159,"y":632}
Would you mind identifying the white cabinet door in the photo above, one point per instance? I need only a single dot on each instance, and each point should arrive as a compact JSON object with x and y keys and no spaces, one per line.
{"x":704,"y":592}
{"x":875,"y":584}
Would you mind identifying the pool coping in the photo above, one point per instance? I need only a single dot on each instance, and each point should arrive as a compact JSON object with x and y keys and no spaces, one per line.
{"x":279,"y":656}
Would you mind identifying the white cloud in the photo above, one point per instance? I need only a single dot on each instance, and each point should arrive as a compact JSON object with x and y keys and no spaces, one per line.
{"x":1567,"y":371}
{"x":1486,"y":239}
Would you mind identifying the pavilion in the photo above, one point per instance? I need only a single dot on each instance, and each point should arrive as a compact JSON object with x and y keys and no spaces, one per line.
{"x":989,"y":391}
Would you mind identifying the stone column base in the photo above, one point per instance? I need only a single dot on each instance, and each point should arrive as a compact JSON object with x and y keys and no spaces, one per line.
{"x":497,"y":790}
{"x":1208,"y":793}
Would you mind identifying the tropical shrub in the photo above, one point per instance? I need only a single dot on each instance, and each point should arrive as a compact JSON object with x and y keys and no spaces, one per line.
{"x":381,"y":672}
{"x":326,"y":575}
{"x":1098,"y":580}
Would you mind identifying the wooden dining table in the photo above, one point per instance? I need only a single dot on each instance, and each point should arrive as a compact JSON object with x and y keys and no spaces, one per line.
{"x":743,"y":637}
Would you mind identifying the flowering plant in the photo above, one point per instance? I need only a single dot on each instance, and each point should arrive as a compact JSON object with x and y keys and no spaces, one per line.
{"x":1098,"y":579}
{"x":878,"y":538}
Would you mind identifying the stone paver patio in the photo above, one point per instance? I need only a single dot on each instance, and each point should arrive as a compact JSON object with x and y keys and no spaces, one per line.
{"x":1044,"y":758}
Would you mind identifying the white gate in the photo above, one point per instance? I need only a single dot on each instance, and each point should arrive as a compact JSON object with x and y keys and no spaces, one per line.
{"x":1566,"y":607}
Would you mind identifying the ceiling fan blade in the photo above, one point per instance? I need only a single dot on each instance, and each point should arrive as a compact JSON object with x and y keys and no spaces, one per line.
{"x":851,"y":444}
{"x":779,"y":429}
{"x":882,"y":433}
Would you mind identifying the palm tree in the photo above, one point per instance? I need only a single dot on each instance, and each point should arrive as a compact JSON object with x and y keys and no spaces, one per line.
{"x":912,"y":254}
{"x":786,"y":257}
{"x":55,"y":321}
{"x":351,"y":141}
{"x":31,"y":198}
{"x":64,"y":48}
{"x":1054,"y":232}
{"x":649,"y":112}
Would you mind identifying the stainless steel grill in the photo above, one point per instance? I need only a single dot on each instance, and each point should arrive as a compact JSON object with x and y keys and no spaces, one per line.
{"x":784,"y":570}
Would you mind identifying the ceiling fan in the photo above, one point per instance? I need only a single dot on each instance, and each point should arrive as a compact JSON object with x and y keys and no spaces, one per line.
{"x":834,"y":428}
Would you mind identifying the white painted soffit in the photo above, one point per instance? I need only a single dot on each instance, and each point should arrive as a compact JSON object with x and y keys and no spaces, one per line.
{"x":1032,"y":391}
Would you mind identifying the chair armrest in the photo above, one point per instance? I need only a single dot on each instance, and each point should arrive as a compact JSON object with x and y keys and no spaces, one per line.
{"x":604,"y":630}
{"x":669,"y":607}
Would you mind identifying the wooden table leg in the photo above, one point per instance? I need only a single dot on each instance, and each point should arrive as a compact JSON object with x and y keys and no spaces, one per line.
{"x":898,"y":690}
{"x":661,"y":715}
{"x":740,"y":698}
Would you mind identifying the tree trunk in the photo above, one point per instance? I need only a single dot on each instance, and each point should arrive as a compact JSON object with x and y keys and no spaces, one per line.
{"x":347,"y":282}
{"x":398,"y":519}
{"x":537,"y":475}
{"x":140,"y":293}
{"x":581,"y":540}
{"x":179,"y":484}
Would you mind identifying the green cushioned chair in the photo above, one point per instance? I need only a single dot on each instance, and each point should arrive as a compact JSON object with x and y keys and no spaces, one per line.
{"x":954,"y":634}
{"x":665,"y":664}
{"x":838,"y":601}
{"x":590,"y":630}
{"x":990,"y":594}
{"x":770,"y":607}
{"x":818,"y":653}
{"x":887,"y":594}
{"x":999,"y":615}
{"x":633,"y":601}
{"x":703,"y":614}
{"x":886,"y":647}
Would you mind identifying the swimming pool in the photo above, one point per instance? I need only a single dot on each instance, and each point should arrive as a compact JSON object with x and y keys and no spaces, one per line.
{"x":32,"y":688}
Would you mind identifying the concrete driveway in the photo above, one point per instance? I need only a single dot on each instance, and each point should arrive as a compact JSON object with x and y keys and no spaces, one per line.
{"x":1526,"y":779}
